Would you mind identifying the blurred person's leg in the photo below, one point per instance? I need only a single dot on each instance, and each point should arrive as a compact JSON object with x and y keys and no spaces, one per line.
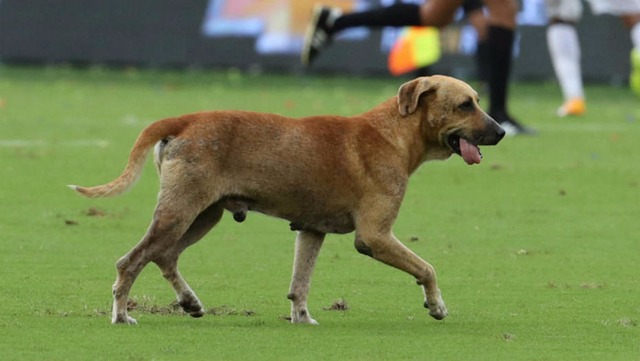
{"x":500,"y":37}
{"x":564,"y":49}
{"x":474,"y":12}
{"x":327,"y":21}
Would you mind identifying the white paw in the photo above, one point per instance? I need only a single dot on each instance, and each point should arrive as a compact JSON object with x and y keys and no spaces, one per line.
{"x":437,"y":308}
{"x":438,"y":311}
{"x":123,"y":319}
{"x":309,"y":321}
{"x":302,"y":316}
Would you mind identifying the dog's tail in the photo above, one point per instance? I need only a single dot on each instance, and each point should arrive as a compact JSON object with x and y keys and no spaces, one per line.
{"x":146,"y":140}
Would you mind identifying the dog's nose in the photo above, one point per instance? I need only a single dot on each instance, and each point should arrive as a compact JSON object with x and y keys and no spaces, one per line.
{"x":500,"y":133}
{"x":492,"y":133}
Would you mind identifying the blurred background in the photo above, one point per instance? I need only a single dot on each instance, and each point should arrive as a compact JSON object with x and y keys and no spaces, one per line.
{"x":266,"y":36}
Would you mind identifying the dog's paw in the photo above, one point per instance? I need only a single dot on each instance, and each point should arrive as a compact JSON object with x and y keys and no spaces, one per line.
{"x":303,"y":316}
{"x":308,"y":321}
{"x":434,"y":302}
{"x":437,"y":310}
{"x":192,"y":306}
{"x":123,"y":319}
{"x":197,"y":314}
{"x":439,"y":313}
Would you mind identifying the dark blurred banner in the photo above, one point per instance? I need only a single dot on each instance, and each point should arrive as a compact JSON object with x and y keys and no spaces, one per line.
{"x":267,"y":35}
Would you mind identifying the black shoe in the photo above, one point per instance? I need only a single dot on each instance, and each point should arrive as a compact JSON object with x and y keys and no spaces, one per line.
{"x":512,"y":126}
{"x":318,"y":34}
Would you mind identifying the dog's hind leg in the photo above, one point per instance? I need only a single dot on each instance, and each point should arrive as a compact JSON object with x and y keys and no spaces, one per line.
{"x":307,"y":248}
{"x":178,"y":207}
{"x":165,"y":229}
{"x":168,"y":262}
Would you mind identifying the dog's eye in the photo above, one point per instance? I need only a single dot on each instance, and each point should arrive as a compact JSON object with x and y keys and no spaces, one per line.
{"x":467,"y":106}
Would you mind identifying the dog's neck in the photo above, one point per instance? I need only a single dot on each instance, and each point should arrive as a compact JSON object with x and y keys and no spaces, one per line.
{"x":403,"y":133}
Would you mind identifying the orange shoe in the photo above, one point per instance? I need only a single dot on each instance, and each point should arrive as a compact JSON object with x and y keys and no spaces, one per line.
{"x":572,"y":107}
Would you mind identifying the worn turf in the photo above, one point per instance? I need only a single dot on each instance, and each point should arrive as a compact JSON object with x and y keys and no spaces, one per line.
{"x":536,"y":249}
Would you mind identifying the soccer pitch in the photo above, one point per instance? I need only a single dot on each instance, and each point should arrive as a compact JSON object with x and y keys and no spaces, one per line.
{"x":536,"y":248}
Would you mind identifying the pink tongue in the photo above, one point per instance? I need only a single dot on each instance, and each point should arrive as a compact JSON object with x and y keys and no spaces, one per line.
{"x":470,"y":152}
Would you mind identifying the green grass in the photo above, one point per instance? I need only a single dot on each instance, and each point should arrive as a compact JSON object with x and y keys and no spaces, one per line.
{"x":536,"y":249}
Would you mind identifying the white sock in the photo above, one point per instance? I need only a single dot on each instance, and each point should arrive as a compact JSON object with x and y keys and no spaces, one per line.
{"x":564,"y":48}
{"x":635,"y":36}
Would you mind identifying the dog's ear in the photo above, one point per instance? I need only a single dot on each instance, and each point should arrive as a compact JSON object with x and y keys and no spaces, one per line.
{"x":410,"y":92}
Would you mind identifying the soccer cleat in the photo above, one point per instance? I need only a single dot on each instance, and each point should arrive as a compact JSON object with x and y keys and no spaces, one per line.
{"x":318,"y":33}
{"x":572,"y":107}
{"x":511,"y":126}
{"x":634,"y":78}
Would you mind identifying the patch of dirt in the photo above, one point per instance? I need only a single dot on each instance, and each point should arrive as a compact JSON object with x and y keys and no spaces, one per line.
{"x":95,"y":212}
{"x":100,"y":312}
{"x":228,"y":311}
{"x":339,"y":305}
{"x":627,"y":322}
{"x":592,"y":285}
{"x":584,"y":285}
{"x":147,"y":305}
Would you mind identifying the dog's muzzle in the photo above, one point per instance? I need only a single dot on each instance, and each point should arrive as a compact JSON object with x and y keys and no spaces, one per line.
{"x":467,"y":146}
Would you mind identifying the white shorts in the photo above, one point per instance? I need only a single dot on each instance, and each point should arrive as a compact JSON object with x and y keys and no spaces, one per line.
{"x":567,"y":10}
{"x":615,"y":7}
{"x":571,"y":10}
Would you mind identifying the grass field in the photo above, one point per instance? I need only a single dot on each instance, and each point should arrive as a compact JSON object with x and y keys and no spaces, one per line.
{"x":536,"y":249}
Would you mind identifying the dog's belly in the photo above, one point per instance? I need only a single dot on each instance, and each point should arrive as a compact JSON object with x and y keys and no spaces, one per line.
{"x":301,"y":218}
{"x":340,"y":224}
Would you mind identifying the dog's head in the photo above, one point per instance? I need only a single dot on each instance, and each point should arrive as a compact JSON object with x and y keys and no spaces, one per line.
{"x":451,"y":119}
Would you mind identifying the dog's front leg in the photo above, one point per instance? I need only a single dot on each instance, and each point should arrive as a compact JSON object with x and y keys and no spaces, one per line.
{"x":386,"y":248}
{"x":307,"y":248}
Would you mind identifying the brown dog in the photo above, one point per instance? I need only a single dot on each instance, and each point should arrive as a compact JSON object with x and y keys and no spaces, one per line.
{"x":324,"y":174}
